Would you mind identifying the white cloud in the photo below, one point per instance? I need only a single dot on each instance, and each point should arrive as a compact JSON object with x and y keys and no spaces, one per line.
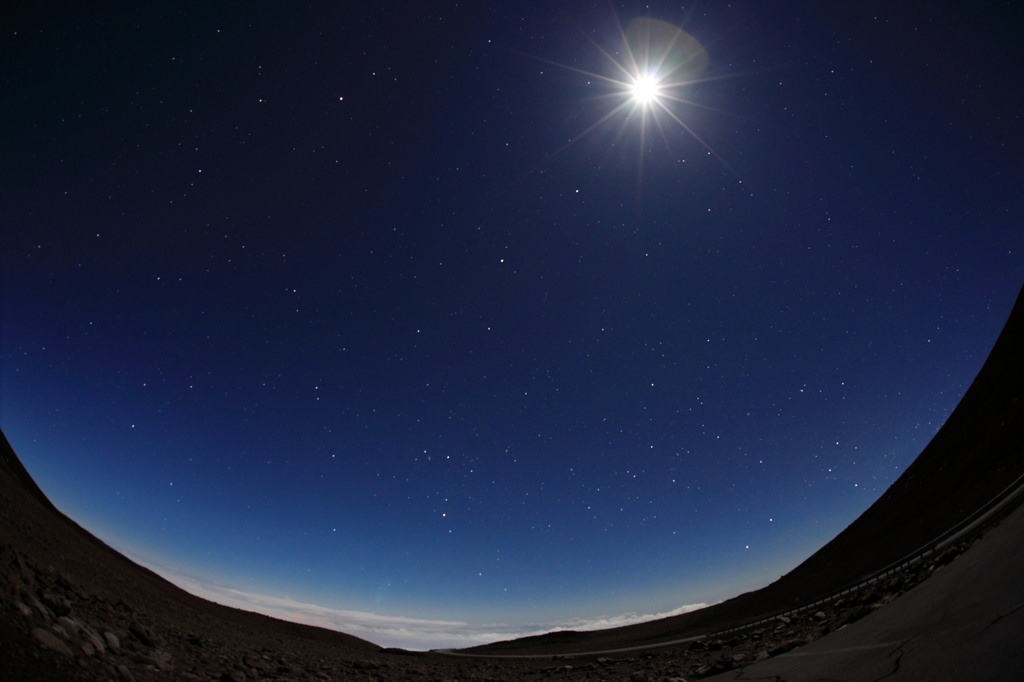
{"x":398,"y":631}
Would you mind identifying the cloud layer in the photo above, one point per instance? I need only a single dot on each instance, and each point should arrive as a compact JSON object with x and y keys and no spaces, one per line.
{"x":398,"y":631}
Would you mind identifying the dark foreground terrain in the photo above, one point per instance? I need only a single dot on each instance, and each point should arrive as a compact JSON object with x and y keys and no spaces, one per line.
{"x":72,"y":608}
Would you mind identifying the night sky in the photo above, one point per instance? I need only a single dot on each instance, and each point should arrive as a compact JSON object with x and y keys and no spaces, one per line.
{"x":357,"y":313}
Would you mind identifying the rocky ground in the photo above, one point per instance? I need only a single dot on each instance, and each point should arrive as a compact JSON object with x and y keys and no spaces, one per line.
{"x":81,"y":634}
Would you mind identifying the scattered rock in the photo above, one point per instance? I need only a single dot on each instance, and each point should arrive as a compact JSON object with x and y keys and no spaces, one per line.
{"x":716,"y":668}
{"x":870,"y":596}
{"x":45,"y":612}
{"x":65,"y":583}
{"x":159,"y":660}
{"x":946,"y":557}
{"x":857,"y":613}
{"x":57,"y":604}
{"x":788,"y":645}
{"x":51,"y":641}
{"x":27,"y":574}
{"x":126,"y":674}
{"x":254,"y":662}
{"x":94,"y":639}
{"x":142,"y":634}
{"x":70,"y":625}
{"x":113,"y":643}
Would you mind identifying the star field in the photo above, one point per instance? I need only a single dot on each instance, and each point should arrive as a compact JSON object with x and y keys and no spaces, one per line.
{"x":373,"y":309}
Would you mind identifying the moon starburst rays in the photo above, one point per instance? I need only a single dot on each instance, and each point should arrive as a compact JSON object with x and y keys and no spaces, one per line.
{"x":652,"y":73}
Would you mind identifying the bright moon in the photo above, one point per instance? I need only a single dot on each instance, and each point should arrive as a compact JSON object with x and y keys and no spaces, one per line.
{"x":645,"y":89}
{"x":653,"y":70}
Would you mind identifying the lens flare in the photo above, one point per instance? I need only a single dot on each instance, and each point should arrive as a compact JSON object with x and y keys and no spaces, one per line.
{"x":650,"y":81}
